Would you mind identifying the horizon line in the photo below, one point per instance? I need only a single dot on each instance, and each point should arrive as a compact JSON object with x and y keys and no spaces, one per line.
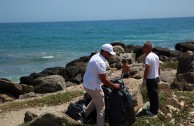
{"x":95,"y":20}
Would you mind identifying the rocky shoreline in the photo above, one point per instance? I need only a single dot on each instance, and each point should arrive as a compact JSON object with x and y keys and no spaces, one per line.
{"x":57,"y":78}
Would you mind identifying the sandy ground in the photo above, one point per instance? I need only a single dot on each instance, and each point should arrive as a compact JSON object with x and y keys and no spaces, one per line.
{"x":16,"y":117}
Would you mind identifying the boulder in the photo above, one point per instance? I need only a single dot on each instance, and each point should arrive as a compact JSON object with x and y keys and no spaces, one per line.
{"x":118,"y":49}
{"x":28,"y":95}
{"x":29,"y":80}
{"x":135,"y":73}
{"x":184,"y":82}
{"x":47,"y":119}
{"x":79,"y":78}
{"x":54,"y":71}
{"x":162,"y":51}
{"x":115,"y":62}
{"x":118,"y":44}
{"x":27,"y":88}
{"x":49,"y":84}
{"x":167,"y":75}
{"x":130,"y":56}
{"x":29,"y":116}
{"x":185,"y":46}
{"x":186,"y":63}
{"x":76,"y":68}
{"x":12,"y":88}
{"x":138,"y":50}
{"x":6,"y":98}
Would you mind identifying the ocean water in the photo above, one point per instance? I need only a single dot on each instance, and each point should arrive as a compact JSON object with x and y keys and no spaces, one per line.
{"x":32,"y":47}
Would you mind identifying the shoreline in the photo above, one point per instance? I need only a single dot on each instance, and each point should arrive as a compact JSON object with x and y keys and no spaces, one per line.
{"x":162,"y":51}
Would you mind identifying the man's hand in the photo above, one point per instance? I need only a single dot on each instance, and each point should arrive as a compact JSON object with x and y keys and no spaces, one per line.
{"x":116,"y":86}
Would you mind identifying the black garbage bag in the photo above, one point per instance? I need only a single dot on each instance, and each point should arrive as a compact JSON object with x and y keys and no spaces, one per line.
{"x":74,"y":109}
{"x":120,"y":108}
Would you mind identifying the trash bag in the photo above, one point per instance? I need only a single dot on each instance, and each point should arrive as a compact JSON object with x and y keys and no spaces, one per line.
{"x":74,"y":109}
{"x":120,"y":108}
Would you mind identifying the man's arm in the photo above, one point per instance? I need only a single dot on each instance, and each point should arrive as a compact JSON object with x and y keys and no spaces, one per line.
{"x":159,"y":69}
{"x":147,"y":68}
{"x":107,"y":82}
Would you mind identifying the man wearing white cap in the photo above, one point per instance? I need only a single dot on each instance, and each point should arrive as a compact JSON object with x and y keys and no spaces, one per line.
{"x":94,"y":76}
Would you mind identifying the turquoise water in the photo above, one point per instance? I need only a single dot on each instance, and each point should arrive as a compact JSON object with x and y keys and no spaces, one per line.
{"x":32,"y":47}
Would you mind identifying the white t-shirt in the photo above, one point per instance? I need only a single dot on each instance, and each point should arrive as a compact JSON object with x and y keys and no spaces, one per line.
{"x":153,"y":61}
{"x":95,"y":66}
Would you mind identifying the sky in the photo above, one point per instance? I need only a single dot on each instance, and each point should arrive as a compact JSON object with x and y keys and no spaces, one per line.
{"x":82,"y":10}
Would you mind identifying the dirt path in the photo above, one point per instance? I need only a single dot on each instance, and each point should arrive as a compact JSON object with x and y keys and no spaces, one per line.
{"x":16,"y":117}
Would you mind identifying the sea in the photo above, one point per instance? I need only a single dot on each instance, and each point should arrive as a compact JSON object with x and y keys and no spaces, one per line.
{"x":32,"y":47}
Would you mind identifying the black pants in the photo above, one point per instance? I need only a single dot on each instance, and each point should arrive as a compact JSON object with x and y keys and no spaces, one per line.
{"x":152,"y":89}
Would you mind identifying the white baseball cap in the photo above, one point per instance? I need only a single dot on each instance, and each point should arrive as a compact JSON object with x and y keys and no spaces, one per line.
{"x":108,"y":48}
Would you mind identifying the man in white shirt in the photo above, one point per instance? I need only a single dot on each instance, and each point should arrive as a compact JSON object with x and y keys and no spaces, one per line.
{"x":94,"y":76}
{"x":151,"y":77}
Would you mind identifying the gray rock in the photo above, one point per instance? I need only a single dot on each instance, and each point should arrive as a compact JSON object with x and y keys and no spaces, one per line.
{"x":141,"y":58}
{"x":135,"y":73}
{"x":12,"y":88}
{"x":49,"y":84}
{"x":167,"y":76}
{"x":29,"y":116}
{"x":185,"y":46}
{"x":186,"y":63}
{"x":118,"y":49}
{"x":6,"y":98}
{"x":27,"y":88}
{"x":47,"y":119}
{"x":115,"y":62}
{"x":28,"y":95}
{"x":184,"y":82}
{"x":129,"y":56}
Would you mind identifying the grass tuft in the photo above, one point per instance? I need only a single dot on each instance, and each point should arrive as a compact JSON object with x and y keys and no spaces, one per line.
{"x":51,"y":100}
{"x":170,"y":65}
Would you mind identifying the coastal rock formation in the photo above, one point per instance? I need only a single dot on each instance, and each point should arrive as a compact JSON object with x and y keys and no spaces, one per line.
{"x":76,"y":68}
{"x":49,"y":84}
{"x":10,"y":88}
{"x":29,"y":116}
{"x":118,"y":49}
{"x":186,"y":63}
{"x":29,"y":80}
{"x":166,"y":54}
{"x":27,"y":88}
{"x":185,"y":72}
{"x":6,"y":98}
{"x":185,"y":46}
{"x":168,"y":76}
{"x":47,"y":119}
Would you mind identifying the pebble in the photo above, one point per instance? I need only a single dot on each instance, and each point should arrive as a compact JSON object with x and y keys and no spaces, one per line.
{"x":169,"y":115}
{"x":193,"y":104}
{"x":172,"y":121}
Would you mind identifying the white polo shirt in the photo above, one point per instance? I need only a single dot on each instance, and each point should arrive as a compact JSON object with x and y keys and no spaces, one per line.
{"x":153,"y":61}
{"x":95,"y":66}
